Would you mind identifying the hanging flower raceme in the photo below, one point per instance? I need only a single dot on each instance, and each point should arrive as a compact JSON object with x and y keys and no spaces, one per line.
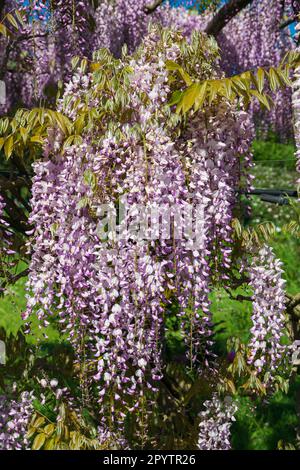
{"x":72,"y":31}
{"x":267,"y":352}
{"x":296,"y":111}
{"x":14,"y":421}
{"x":109,"y":253}
{"x":126,"y":22}
{"x":215,"y":424}
{"x":254,"y":39}
{"x":3,"y":228}
{"x":216,"y":141}
{"x":6,"y":249}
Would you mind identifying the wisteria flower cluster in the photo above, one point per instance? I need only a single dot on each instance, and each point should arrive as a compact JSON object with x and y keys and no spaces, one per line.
{"x":215,"y":424}
{"x":111,"y":296}
{"x":267,"y":350}
{"x":254,"y":39}
{"x":14,"y":420}
{"x":6,"y":248}
{"x":296,"y":110}
{"x":60,"y":30}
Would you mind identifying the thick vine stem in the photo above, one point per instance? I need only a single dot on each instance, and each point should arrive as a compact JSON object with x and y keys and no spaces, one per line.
{"x":13,"y":279}
{"x":152,"y":7}
{"x":224,"y":15}
{"x":288,"y":22}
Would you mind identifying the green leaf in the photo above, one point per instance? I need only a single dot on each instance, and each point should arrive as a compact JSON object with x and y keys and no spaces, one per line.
{"x":74,"y":62}
{"x":78,"y":140}
{"x":274,"y":82}
{"x":240,"y":83}
{"x":79,"y":124}
{"x":262,"y":98}
{"x":171,"y":65}
{"x":201,"y":96}
{"x":20,"y":15}
{"x":50,"y":444}
{"x":260,"y":79}
{"x":49,"y":429}
{"x":39,"y":422}
{"x":227,"y":85}
{"x":83,"y":65}
{"x":39,"y":441}
{"x":68,"y":142}
{"x":37,"y":139}
{"x":175,"y":98}
{"x":8,"y":146}
{"x":12,"y":21}
{"x":3,"y":30}
{"x":215,"y":86}
{"x":189,"y":97}
{"x":24,"y":134}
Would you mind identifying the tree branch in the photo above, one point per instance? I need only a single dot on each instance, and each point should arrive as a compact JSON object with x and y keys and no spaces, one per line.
{"x":16,"y":215}
{"x":152,"y":7}
{"x":288,"y":22}
{"x":10,"y":279}
{"x":2,"y":4}
{"x":224,"y":15}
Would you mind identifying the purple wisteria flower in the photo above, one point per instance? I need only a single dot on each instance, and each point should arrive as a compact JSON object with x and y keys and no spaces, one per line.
{"x":215,"y":424}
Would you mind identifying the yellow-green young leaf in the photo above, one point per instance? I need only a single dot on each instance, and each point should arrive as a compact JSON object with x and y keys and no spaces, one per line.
{"x":3,"y":30}
{"x":74,"y":62}
{"x":260,"y":79}
{"x":78,"y":140}
{"x":2,"y":140}
{"x":68,"y":141}
{"x":32,"y":115}
{"x":63,"y":122}
{"x":274,"y":82}
{"x":49,"y":444}
{"x":39,"y":422}
{"x":284,"y":74}
{"x":175,"y":98}
{"x":13,"y":125}
{"x":12,"y":20}
{"x":5,"y":124}
{"x":201,"y":96}
{"x":37,"y":139}
{"x":41,"y":116}
{"x":24,"y":134}
{"x":31,"y":432}
{"x":189,"y":97}
{"x":8,"y":146}
{"x":19,"y":15}
{"x":39,"y":441}
{"x":227,"y":85}
{"x":185,"y":76}
{"x":215,"y":86}
{"x":246,"y":76}
{"x":83,"y":65}
{"x":49,"y":429}
{"x":240,"y":83}
{"x":171,"y":65}
{"x":262,"y":98}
